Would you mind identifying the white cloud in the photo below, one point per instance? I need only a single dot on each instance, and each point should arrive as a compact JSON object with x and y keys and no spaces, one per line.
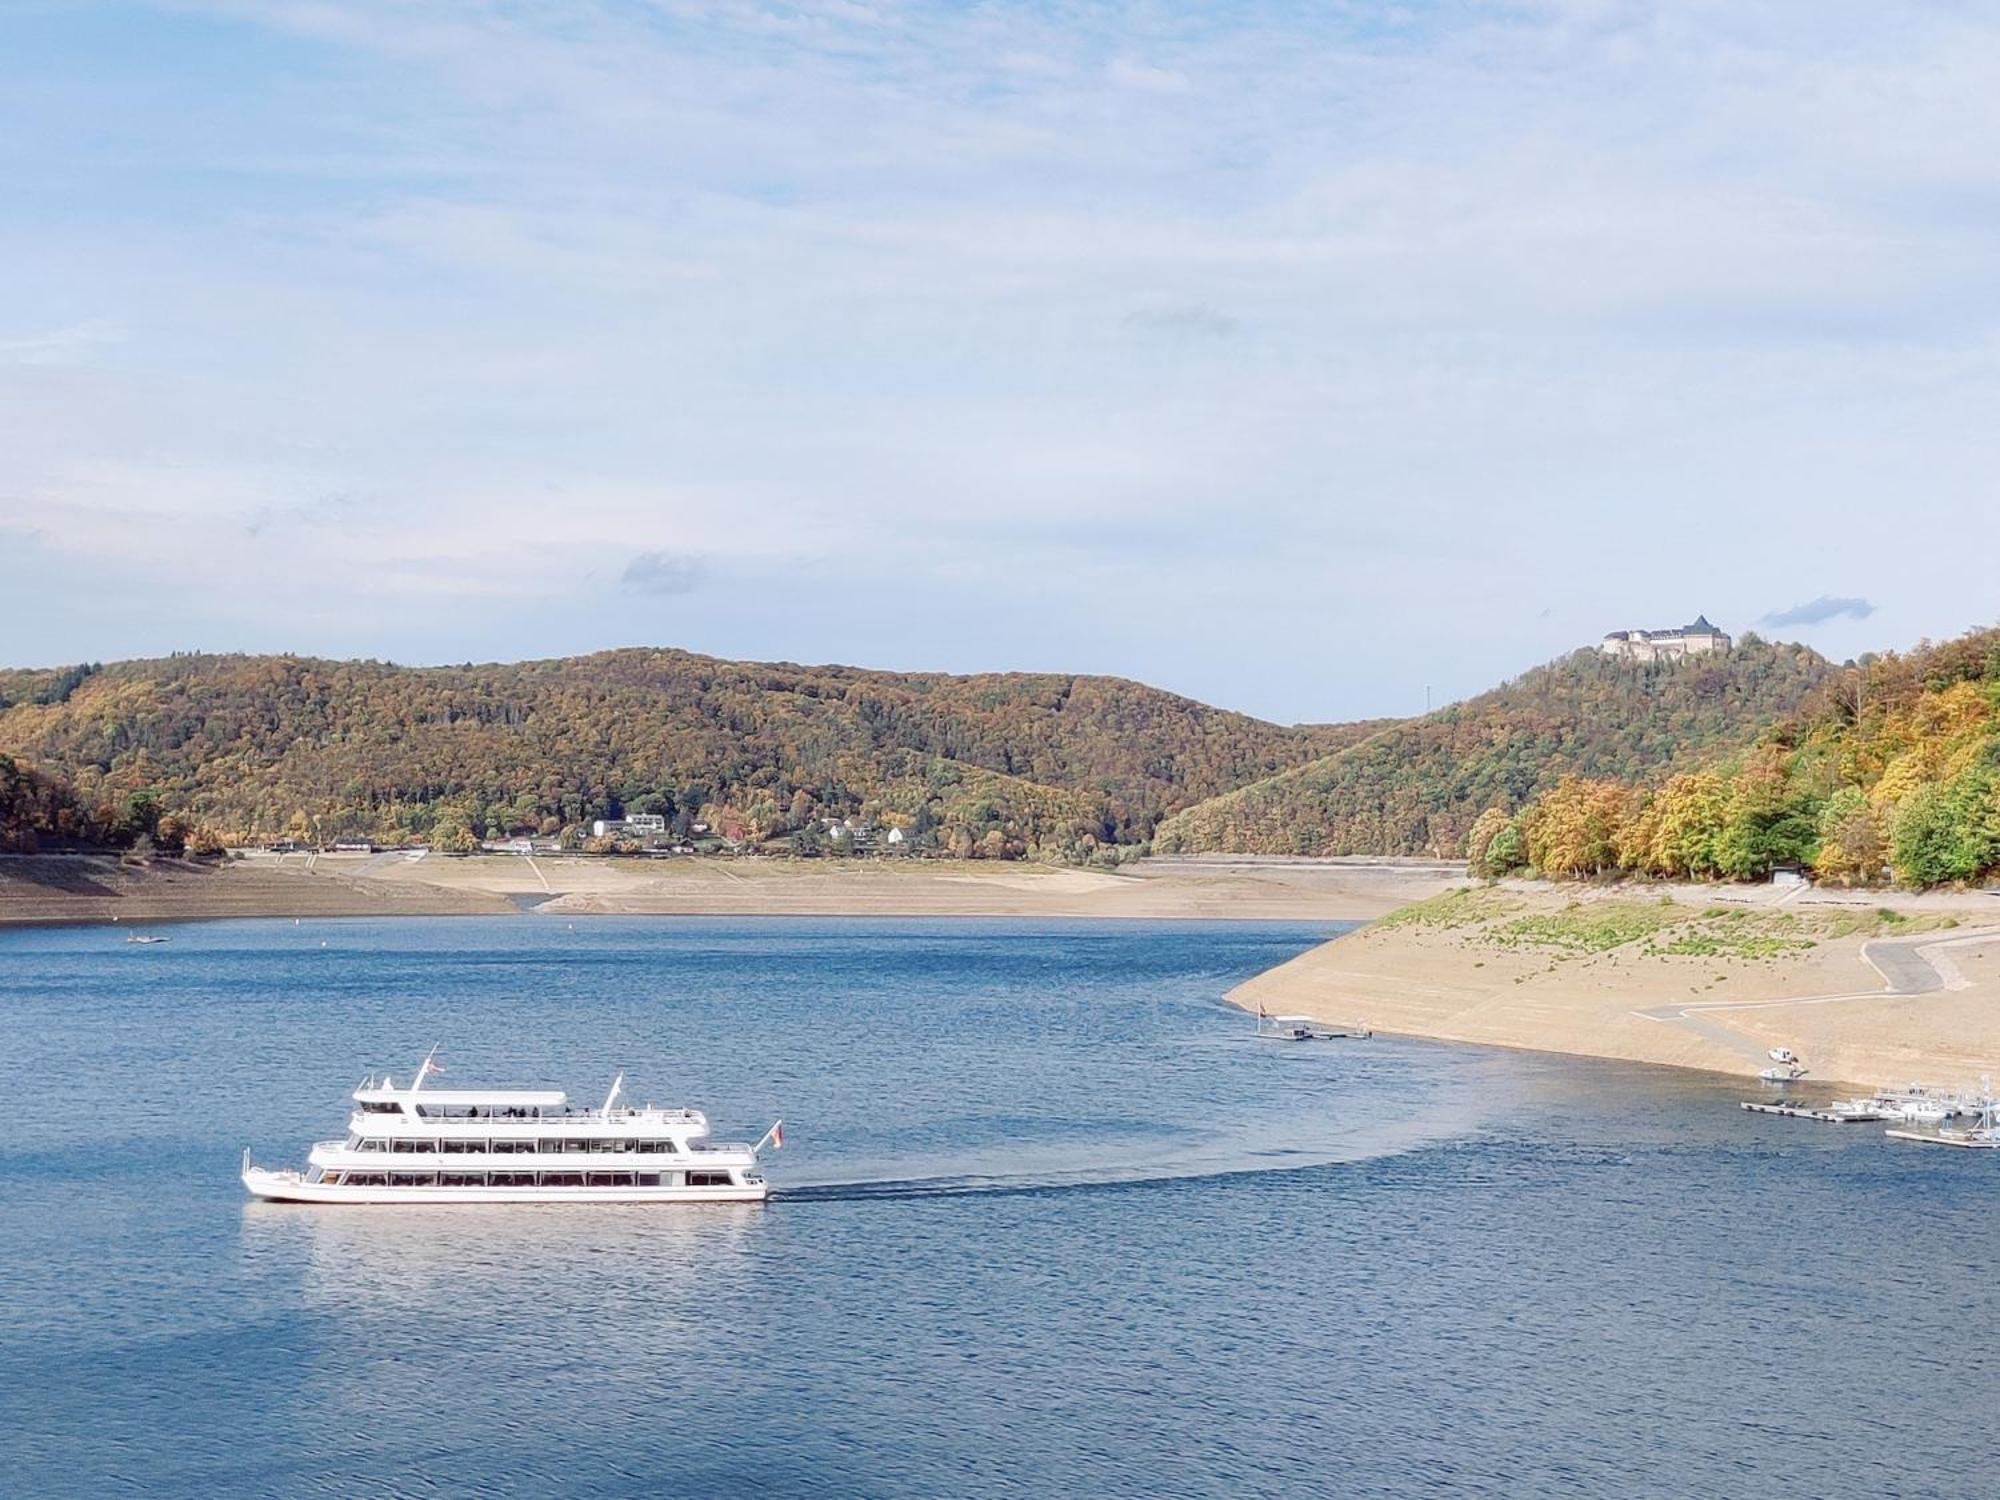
{"x":1153,"y":301}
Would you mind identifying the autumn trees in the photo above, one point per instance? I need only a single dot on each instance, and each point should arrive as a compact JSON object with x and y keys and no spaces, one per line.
{"x":1418,"y":787}
{"x":1893,"y":771}
{"x":998,"y":766}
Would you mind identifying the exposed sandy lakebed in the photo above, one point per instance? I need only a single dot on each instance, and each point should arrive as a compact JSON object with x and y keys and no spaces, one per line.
{"x":59,"y":888}
{"x":1701,"y":983}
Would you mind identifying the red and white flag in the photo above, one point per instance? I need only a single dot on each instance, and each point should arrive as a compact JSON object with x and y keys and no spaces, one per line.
{"x":429,"y":1068}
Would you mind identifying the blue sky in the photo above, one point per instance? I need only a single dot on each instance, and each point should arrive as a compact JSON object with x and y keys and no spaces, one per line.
{"x":1295,"y":357}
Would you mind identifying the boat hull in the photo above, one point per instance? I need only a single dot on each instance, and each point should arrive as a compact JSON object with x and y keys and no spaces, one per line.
{"x":276,"y":1187}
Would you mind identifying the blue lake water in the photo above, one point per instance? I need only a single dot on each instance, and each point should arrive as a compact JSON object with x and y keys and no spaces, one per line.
{"x":1050,"y":1223}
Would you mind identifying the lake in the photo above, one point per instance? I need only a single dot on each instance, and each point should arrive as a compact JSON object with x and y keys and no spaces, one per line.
{"x":1049,"y":1222}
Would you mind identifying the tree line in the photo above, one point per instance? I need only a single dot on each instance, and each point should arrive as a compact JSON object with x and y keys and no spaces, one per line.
{"x":1418,"y":786}
{"x":1891,"y":771}
{"x":1000,"y":765}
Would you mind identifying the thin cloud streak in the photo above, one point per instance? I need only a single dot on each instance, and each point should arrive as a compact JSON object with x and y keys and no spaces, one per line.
{"x":1819,"y":611}
{"x":662,"y":573}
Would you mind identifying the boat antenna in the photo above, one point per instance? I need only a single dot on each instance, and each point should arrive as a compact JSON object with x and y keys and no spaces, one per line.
{"x":429,"y":1067}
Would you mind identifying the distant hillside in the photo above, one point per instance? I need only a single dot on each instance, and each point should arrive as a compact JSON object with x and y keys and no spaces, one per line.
{"x":1417,"y":786}
{"x":1892,"y":768}
{"x":251,"y":746}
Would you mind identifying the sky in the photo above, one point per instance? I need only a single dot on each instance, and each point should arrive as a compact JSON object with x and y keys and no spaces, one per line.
{"x":1307,"y":359}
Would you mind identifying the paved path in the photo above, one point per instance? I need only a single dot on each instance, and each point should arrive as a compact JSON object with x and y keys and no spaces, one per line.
{"x":1908,"y":966}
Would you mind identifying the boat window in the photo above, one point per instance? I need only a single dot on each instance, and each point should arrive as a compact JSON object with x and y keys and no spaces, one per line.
{"x":413,"y":1179}
{"x":708,"y":1179}
{"x":370,"y":1146}
{"x":649,"y":1179}
{"x":549,"y":1144}
{"x":576,"y":1145}
{"x":377,"y":1107}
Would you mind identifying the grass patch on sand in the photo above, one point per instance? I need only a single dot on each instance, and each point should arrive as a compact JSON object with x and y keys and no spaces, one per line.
{"x":1467,"y":906}
{"x":1586,"y":927}
{"x":1660,"y":928}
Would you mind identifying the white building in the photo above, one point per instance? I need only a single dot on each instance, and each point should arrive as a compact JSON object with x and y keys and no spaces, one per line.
{"x":640,"y":825}
{"x":1698,"y":639}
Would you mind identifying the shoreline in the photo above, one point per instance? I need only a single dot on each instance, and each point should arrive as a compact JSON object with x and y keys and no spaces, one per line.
{"x":1864,"y":996}
{"x":73,"y":889}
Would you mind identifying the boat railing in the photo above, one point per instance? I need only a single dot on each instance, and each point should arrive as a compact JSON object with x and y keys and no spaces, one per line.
{"x":702,"y":1148}
{"x":506,"y":1116}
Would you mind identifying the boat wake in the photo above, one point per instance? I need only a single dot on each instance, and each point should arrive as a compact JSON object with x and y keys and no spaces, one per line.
{"x":1374,"y":1142}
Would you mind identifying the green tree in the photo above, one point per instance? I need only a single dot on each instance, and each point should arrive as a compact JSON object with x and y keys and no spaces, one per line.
{"x":450,"y":835}
{"x":1852,"y":845}
{"x":1947,"y":833}
{"x":1484,"y":828}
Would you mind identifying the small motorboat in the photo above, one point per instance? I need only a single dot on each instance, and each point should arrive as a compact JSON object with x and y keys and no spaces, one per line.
{"x":1272,"y":1028}
{"x":147,"y":937}
{"x":1782,"y":1055}
{"x":1785,"y":1073}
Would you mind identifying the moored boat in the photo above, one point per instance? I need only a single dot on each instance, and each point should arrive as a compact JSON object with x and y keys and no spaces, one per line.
{"x":1983,"y":1134}
{"x":417,"y":1145}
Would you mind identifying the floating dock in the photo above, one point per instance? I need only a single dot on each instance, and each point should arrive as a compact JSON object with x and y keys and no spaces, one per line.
{"x":1316,"y":1034}
{"x":1807,"y":1112}
{"x":1972,"y":1139}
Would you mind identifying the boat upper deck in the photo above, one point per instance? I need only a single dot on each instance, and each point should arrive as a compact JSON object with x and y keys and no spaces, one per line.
{"x":382,"y":1108}
{"x":387,"y":1093}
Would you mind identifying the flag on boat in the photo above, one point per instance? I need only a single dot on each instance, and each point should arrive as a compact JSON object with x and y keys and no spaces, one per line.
{"x":774,"y":1138}
{"x":429,"y":1068}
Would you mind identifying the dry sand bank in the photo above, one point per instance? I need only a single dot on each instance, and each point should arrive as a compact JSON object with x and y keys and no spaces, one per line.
{"x":98,"y":889}
{"x":888,"y":888}
{"x":1692,"y":984}
{"x":50,"y":889}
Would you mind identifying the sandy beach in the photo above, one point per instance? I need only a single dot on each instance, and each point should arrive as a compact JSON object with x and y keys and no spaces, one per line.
{"x":1661,"y":978}
{"x":99,"y":888}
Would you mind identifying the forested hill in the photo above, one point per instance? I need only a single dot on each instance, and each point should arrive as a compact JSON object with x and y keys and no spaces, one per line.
{"x":250,"y":746}
{"x":1893,"y":768}
{"x":1416,"y":787}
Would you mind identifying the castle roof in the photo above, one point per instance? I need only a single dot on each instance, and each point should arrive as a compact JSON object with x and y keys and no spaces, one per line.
{"x":1701,"y":626}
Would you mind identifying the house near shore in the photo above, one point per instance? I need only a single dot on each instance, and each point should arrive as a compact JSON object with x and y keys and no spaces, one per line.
{"x":1698,"y":639}
{"x":638,"y":826}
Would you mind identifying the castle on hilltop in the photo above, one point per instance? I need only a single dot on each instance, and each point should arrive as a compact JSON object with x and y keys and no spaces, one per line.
{"x":1698,"y":639}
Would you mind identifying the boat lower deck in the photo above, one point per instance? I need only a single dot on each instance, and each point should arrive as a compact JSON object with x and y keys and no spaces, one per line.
{"x":292,"y":1187}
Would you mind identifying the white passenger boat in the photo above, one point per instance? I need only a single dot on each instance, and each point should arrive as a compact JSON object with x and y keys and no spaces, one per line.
{"x":419,"y":1145}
